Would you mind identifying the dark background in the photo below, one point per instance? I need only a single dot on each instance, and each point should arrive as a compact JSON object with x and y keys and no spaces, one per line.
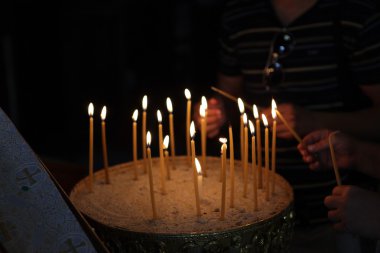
{"x":56,"y":57}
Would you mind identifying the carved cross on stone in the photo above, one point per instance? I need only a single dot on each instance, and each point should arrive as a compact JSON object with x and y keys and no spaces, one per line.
{"x":28,"y":176}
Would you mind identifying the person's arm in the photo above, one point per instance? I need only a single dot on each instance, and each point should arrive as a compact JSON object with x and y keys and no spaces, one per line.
{"x":355,"y":210}
{"x":349,"y":152}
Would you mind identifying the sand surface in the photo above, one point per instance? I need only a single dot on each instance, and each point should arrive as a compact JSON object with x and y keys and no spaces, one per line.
{"x":125,"y":203}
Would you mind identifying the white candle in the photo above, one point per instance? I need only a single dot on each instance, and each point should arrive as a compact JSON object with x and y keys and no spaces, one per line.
{"x":254,"y":167}
{"x":273,"y":167}
{"x":202,"y":112}
{"x":258,"y":142}
{"x":241,"y":109}
{"x":196,"y":189}
{"x":161,"y":152}
{"x":104,"y":143}
{"x":134,"y":140}
{"x":166,"y":154}
{"x":188,"y":118}
{"x":223,"y":204}
{"x":245,"y":162}
{"x":265,"y":121}
{"x":169,"y":106}
{"x":150,"y":174}
{"x":199,"y":177}
{"x":91,"y":147}
{"x":143,"y":130}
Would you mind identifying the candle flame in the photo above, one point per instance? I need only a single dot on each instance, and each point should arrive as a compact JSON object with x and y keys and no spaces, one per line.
{"x":202,"y":111}
{"x":159,"y":116}
{"x":245,"y":119}
{"x":145,"y":102}
{"x":135,"y":115}
{"x":166,"y":142}
{"x":148,"y":138}
{"x":90,"y":109}
{"x":169,"y":105}
{"x":187,"y":94}
{"x":198,"y":166}
{"x":204,"y":102}
{"x":223,"y":140}
{"x":255,"y":112}
{"x":241,"y":105}
{"x":251,"y":127}
{"x":265,"y":121}
{"x":192,"y":129}
{"x":274,"y":108}
{"x":103,"y":114}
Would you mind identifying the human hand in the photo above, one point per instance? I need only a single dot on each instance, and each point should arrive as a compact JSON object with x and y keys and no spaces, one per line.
{"x":354,"y":210}
{"x":315,"y":150}
{"x":216,"y":117}
{"x":299,"y":119}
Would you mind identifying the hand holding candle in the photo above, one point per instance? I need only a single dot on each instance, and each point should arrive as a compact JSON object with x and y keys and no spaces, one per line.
{"x":91,"y":147}
{"x":169,"y":106}
{"x":134,"y":140}
{"x":104,"y":143}
{"x":151,"y":189}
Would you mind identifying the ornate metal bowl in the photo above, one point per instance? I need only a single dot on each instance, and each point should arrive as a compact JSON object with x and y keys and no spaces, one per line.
{"x":268,"y":235}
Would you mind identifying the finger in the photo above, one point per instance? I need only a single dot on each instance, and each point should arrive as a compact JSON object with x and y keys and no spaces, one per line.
{"x":212,"y":127}
{"x":339,"y":190}
{"x":213,"y":133}
{"x":315,"y":166}
{"x":213,"y":102}
{"x":331,"y":202}
{"x":334,"y":215}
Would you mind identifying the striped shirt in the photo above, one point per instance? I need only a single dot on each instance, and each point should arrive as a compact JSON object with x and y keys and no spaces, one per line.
{"x":336,"y":49}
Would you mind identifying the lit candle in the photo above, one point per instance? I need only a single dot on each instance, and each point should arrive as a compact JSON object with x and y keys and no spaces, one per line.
{"x":232,"y":166}
{"x":188,"y":118}
{"x":161,"y":152}
{"x":143,"y":130}
{"x":333,"y":159}
{"x":153,"y":202}
{"x":103,"y":115}
{"x":91,"y":147}
{"x":134,"y":130}
{"x":166,"y":154}
{"x":202,"y":112}
{"x":192,"y":134}
{"x":200,"y":178}
{"x":265,"y":121}
{"x":169,"y":105}
{"x":259,"y":153}
{"x":254,"y":169}
{"x":245,"y":162}
{"x":223,"y":204}
{"x":241,"y":109}
{"x":273,"y":167}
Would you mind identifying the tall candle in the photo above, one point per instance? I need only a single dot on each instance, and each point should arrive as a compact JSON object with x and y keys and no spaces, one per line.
{"x":265,"y":121}
{"x":245,"y":162}
{"x":104,"y":143}
{"x":259,"y":153}
{"x":196,"y":190}
{"x":91,"y":148}
{"x":291,"y":130}
{"x":274,"y":130}
{"x":151,"y":189}
{"x":232,"y":166}
{"x":202,"y":112}
{"x":254,"y":167}
{"x":333,"y":159}
{"x":166,"y":155}
{"x":134,"y":140}
{"x":143,"y":130}
{"x":161,"y":152}
{"x":169,"y":105}
{"x":199,"y":177}
{"x":241,"y":109}
{"x":188,"y":118}
{"x":223,"y":204}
